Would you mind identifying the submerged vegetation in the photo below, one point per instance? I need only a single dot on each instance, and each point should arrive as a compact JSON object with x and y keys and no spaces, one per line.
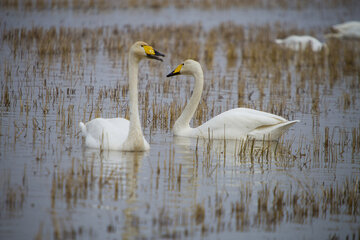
{"x":52,"y":78}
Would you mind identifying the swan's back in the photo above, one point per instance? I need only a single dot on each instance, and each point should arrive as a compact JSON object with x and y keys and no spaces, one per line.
{"x":244,"y":122}
{"x":104,"y":133}
{"x":297,"y":43}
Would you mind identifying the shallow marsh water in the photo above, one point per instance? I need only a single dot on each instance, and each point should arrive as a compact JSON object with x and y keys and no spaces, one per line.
{"x":57,"y":71}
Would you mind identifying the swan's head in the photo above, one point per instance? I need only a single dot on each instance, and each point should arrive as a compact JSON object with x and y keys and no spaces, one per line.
{"x":143,"y":50}
{"x":189,"y":67}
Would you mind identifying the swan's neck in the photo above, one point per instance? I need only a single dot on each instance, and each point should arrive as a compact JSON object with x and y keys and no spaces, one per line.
{"x":135,"y":137}
{"x":182,"y":123}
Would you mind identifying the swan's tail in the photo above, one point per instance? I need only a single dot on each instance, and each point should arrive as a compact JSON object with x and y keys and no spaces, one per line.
{"x":280,"y":129}
{"x":273,"y":132}
{"x":83,"y":128}
{"x":288,"y":124}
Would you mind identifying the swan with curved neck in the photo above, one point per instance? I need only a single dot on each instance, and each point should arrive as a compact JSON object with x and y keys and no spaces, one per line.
{"x":238,"y":123}
{"x":119,"y":133}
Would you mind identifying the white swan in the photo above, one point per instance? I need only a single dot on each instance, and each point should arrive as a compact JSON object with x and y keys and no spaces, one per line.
{"x":237,"y":123}
{"x":298,"y":43}
{"x":350,"y":30}
{"x":119,"y":133}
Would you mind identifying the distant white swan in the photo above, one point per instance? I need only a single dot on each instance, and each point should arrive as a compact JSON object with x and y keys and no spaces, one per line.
{"x":298,"y":43}
{"x":350,"y":30}
{"x":237,"y":123}
{"x":119,"y":133}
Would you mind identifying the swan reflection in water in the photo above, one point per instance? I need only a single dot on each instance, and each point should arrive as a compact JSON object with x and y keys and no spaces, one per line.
{"x":239,"y":157}
{"x":229,"y":147}
{"x":119,"y":173}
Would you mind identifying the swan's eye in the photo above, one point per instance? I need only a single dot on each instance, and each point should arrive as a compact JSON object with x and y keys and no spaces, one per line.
{"x":142,"y":45}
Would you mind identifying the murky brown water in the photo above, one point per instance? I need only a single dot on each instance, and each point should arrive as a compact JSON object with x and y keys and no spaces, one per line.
{"x":62,"y":66}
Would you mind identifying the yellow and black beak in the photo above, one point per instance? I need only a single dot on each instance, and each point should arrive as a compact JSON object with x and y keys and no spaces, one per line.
{"x":176,"y":71}
{"x":152,"y":53}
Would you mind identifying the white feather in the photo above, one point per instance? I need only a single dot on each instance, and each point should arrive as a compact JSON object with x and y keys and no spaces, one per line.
{"x":298,"y":43}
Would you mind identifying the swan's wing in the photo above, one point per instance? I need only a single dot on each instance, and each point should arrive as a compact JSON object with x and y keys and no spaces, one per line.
{"x":109,"y":133}
{"x":238,"y":123}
